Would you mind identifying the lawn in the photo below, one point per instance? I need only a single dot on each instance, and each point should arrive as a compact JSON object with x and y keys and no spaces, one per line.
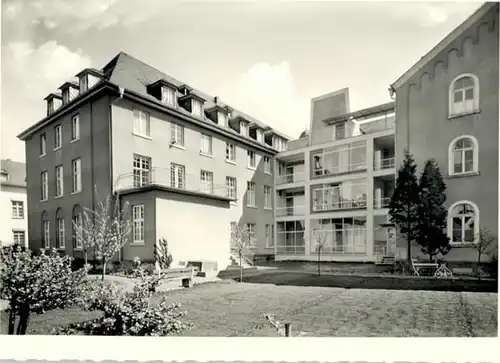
{"x":232,"y":309}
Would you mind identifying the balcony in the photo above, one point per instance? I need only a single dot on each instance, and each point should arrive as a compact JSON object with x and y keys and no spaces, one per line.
{"x":172,"y":178}
{"x":382,"y":202}
{"x":339,"y":205}
{"x":382,"y":164}
{"x":293,"y":210}
{"x":291,"y":178}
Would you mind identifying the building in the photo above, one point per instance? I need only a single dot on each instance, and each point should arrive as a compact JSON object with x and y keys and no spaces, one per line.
{"x":337,"y":178}
{"x":189,"y":165}
{"x":447,"y":109}
{"x":13,"y":203}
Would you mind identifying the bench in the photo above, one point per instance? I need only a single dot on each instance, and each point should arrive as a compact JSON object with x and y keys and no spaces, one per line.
{"x":418,"y":266}
{"x":186,"y":274}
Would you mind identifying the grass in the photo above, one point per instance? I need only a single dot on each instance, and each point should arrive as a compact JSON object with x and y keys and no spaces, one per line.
{"x":233,"y":309}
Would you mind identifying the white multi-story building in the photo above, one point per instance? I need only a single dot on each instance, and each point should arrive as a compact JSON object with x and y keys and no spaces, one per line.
{"x":337,"y":178}
{"x":13,"y":216}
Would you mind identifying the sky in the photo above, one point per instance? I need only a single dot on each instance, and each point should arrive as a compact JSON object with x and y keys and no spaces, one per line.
{"x":266,"y":58}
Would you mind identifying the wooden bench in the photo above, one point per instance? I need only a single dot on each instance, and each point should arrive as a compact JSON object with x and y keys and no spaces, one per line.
{"x":418,"y":266}
{"x":186,"y":274}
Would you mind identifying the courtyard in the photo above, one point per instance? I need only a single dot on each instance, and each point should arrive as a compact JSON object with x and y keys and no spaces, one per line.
{"x":227,"y":308}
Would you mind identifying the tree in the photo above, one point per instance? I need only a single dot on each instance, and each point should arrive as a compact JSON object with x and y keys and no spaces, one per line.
{"x":403,"y":209}
{"x":432,"y":213}
{"x":320,"y":239}
{"x":163,"y":257}
{"x":242,"y":240}
{"x":484,"y":240}
{"x":107,"y":229}
{"x":36,"y":284}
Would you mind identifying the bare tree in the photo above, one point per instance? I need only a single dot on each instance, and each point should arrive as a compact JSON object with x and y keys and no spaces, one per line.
{"x":242,"y":240}
{"x":320,"y":239}
{"x":163,"y":257}
{"x":484,"y":240}
{"x":107,"y":229}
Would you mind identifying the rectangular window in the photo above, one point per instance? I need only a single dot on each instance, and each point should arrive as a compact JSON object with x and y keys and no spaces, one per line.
{"x":206,"y":144}
{"x":251,"y":159}
{"x":339,"y":131}
{"x":267,"y":164}
{"x":231,"y":187}
{"x":243,"y":128}
{"x":269,"y":235}
{"x":43,"y":144}
{"x":177,"y":134}
{"x":251,"y":227}
{"x":207,"y":181}
{"x":77,"y":224}
{"x":57,"y":137}
{"x":222,"y":118}
{"x":59,"y":181}
{"x":268,"y":203}
{"x":44,"y":180}
{"x":75,"y":127}
{"x":251,"y":194}
{"x":138,"y":223}
{"x":60,"y":233}
{"x":83,"y":84}
{"x":142,"y":170}
{"x":197,"y":108}
{"x":142,"y":123}
{"x":349,"y":194}
{"x":177,"y":176}
{"x":46,"y":234}
{"x":76,"y":172}
{"x":230,"y":152}
{"x":168,"y":96}
{"x":340,"y":159}
{"x":19,"y":238}
{"x":17,"y":209}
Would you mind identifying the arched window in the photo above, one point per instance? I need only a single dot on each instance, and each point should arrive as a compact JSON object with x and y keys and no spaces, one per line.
{"x":464,"y":94}
{"x":76,"y":222}
{"x":45,"y":230}
{"x":60,"y":231}
{"x":463,"y":155}
{"x":463,"y":222}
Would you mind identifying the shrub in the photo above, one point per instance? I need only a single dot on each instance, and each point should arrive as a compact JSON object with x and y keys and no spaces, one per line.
{"x":128,"y":313}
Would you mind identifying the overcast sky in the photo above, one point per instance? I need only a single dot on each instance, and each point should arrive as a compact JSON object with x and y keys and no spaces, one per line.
{"x":267,"y":58}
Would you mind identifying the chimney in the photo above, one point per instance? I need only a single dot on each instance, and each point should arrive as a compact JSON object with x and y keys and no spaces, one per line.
{"x":216,"y":99}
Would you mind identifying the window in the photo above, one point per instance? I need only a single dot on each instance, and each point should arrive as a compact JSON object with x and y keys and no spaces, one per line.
{"x":222,"y":118}
{"x":138,"y":223}
{"x":197,"y":108}
{"x":142,"y":170}
{"x":60,"y":233}
{"x":268,"y":203}
{"x":259,"y":135}
{"x":76,"y":172}
{"x":243,"y":128}
{"x":339,"y":130}
{"x":19,"y":238}
{"x":57,"y":137}
{"x":75,"y":127}
{"x":43,"y":144}
{"x":177,"y":134}
{"x":230,"y":152}
{"x":251,"y":194}
{"x":177,"y":176}
{"x":463,"y":222}
{"x":44,"y":180}
{"x":77,"y":226}
{"x":251,"y":159}
{"x":142,"y":123}
{"x":349,"y":194}
{"x":344,"y":236}
{"x":83,"y":83}
{"x":231,"y":187}
{"x":251,"y":227}
{"x":464,"y":94}
{"x":267,"y":164}
{"x":46,"y":234}
{"x":463,"y":156}
{"x":269,"y":235}
{"x":168,"y":96}
{"x":207,"y":181}
{"x":59,"y":181}
{"x":340,"y":159}
{"x":17,"y":209}
{"x":65,"y":96}
{"x":4,"y":176}
{"x":206,"y":144}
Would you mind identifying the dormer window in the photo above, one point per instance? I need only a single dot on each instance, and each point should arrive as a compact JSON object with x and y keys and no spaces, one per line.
{"x":84,"y":85}
{"x":88,"y":78}
{"x":168,"y":96}
{"x":65,"y":95}
{"x":69,"y":92}
{"x":196,"y":107}
{"x":54,"y":101}
{"x":258,"y":135}
{"x":243,"y":128}
{"x":4,"y":176}
{"x":222,"y":118}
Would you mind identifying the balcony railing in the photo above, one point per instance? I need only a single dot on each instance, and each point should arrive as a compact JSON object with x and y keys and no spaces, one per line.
{"x":290,"y":178}
{"x":294,"y":210}
{"x":339,"y":205}
{"x":387,"y":163}
{"x":383,"y":202}
{"x":165,"y":177}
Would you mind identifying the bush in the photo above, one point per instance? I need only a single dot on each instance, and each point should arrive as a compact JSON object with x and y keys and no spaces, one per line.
{"x":128,"y":313}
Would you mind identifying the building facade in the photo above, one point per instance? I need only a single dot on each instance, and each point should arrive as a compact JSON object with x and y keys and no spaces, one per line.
{"x":13,"y":202}
{"x":189,"y":166}
{"x":337,"y":181}
{"x":447,"y":109}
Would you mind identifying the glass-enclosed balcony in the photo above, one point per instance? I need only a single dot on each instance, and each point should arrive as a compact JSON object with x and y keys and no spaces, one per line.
{"x":344,"y":236}
{"x":290,"y":204}
{"x":290,"y":238}
{"x":339,"y":159}
{"x":291,"y":172}
{"x":349,"y":194}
